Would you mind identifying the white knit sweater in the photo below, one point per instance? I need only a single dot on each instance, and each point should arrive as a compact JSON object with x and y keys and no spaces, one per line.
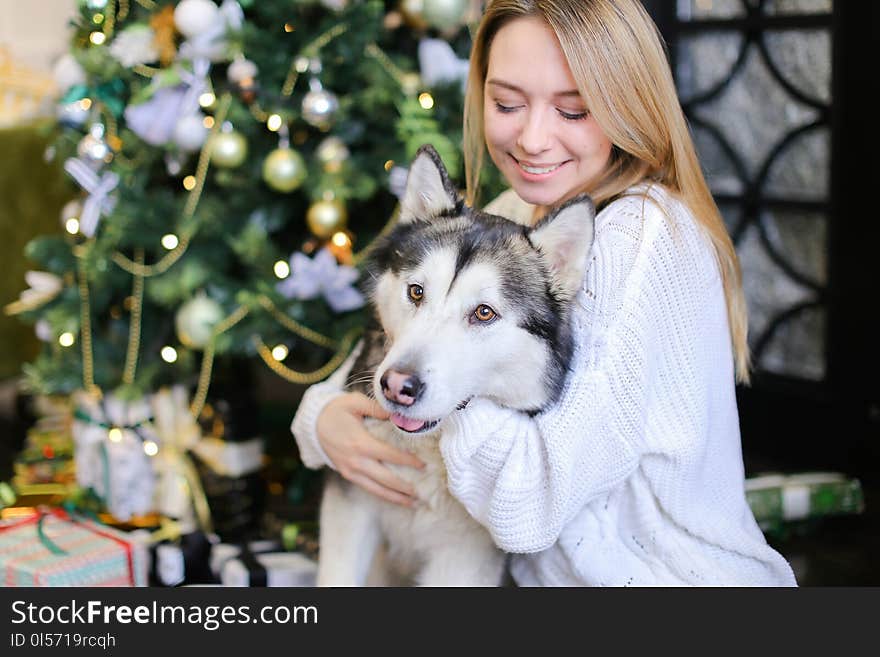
{"x":635,"y":477}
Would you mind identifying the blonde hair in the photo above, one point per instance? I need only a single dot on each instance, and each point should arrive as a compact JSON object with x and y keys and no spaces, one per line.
{"x":617,"y":57}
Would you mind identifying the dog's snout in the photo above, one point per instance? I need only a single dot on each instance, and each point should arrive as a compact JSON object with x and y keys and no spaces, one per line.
{"x":401,"y":387}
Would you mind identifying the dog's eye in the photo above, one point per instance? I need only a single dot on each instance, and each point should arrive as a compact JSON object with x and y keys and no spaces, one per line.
{"x":484,"y":313}
{"x":416,"y":292}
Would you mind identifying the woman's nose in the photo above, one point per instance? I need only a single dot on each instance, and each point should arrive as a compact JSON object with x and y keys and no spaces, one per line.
{"x":535,"y":136}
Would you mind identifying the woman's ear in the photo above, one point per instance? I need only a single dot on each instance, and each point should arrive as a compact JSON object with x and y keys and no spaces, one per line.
{"x":564,"y":238}
{"x":429,"y":192}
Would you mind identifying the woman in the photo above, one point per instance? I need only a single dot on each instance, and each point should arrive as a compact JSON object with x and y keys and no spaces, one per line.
{"x":635,"y":477}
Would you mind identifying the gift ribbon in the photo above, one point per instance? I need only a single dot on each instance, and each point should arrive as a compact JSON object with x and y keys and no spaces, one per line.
{"x":39,"y":517}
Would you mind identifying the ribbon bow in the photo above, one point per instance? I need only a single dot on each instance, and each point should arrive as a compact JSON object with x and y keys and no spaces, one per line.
{"x":322,"y":276}
{"x":99,"y":200}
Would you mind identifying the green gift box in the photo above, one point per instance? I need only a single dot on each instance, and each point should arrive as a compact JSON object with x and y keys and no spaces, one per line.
{"x":52,"y":548}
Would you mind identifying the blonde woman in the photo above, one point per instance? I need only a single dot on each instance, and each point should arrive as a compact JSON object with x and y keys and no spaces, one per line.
{"x":636,"y":476}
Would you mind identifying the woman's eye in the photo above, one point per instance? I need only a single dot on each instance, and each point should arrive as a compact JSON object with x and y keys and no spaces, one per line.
{"x":573,"y":116}
{"x":416,"y":292}
{"x":505,"y":109}
{"x":484,"y":313}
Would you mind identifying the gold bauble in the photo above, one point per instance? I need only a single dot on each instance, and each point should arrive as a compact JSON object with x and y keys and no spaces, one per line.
{"x":284,"y":170}
{"x":228,"y":149}
{"x":326,"y":217}
{"x":412,"y":14}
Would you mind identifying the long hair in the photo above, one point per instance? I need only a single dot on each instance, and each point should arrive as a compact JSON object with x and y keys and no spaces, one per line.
{"x":618,"y":59}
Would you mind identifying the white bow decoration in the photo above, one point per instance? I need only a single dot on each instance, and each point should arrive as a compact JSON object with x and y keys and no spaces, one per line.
{"x":439,"y":63}
{"x":99,"y":200}
{"x":322,"y":275}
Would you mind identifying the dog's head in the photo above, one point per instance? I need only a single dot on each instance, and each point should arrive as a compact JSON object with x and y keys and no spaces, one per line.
{"x":473,"y":305}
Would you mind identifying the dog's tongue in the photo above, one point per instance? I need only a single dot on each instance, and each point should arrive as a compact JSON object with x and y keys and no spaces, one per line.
{"x":407,"y":424}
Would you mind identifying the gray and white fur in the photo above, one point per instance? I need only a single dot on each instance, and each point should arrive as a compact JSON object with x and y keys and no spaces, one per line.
{"x":466,"y":304}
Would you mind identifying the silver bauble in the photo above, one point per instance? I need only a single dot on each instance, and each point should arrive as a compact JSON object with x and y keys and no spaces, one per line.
{"x":445,"y":15}
{"x":92,"y":148}
{"x":319,"y":108}
{"x":190,"y":132}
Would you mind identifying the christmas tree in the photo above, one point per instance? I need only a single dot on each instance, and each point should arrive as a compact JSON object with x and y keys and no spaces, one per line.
{"x":232,"y":163}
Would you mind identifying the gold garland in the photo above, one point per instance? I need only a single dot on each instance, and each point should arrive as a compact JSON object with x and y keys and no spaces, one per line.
{"x":86,"y":327}
{"x":295,"y":327}
{"x":134,"y":332}
{"x":192,"y":201}
{"x":307,"y":378}
{"x":201,"y":395}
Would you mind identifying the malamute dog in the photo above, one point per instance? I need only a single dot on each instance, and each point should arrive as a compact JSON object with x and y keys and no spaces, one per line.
{"x":467,"y":305}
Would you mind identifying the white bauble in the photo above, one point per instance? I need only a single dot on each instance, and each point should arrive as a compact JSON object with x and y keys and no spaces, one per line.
{"x":190,"y":132}
{"x":68,"y":73}
{"x":241,"y":69}
{"x":195,"y":17}
{"x":196,"y":319}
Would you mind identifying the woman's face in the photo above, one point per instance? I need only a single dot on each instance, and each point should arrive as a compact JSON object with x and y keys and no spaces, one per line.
{"x":538,"y":130}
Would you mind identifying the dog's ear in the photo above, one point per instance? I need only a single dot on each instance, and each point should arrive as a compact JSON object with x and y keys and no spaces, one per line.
{"x":564,"y":238}
{"x":429,"y":192}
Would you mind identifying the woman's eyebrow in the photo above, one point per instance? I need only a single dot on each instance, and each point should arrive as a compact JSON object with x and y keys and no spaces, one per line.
{"x":512,"y":87}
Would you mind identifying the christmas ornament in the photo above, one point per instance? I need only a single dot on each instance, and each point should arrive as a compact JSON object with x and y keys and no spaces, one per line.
{"x":445,"y":15}
{"x":93,"y":149}
{"x":99,"y":200}
{"x":72,"y":115}
{"x":190,"y":132}
{"x":194,"y":17}
{"x":412,"y":12}
{"x":162,"y":23}
{"x":155,"y":120}
{"x":326,"y":217}
{"x":43,"y":288}
{"x":196,"y":319}
{"x":134,"y":45}
{"x":439,"y":63}
{"x":322,"y":276}
{"x":319,"y":106}
{"x":241,"y":69}
{"x":284,"y":169}
{"x":68,"y":73}
{"x":228,"y":148}
{"x":331,"y":153}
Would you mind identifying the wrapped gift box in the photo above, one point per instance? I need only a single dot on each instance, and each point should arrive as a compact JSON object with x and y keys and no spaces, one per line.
{"x":53,"y":549}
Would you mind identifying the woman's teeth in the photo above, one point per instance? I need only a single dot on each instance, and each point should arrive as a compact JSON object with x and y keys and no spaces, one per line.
{"x":539,"y":170}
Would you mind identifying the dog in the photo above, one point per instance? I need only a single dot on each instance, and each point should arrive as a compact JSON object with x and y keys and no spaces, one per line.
{"x":466,"y":304}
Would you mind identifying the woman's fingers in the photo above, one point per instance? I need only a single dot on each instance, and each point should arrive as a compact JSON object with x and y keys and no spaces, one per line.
{"x":364,"y":405}
{"x":381,"y":491}
{"x":384,"y":476}
{"x":384,"y":452}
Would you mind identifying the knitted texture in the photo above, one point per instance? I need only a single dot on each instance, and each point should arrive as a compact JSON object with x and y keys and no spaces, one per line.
{"x":635,"y":476}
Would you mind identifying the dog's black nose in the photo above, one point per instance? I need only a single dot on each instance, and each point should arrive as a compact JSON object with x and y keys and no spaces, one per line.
{"x":401,"y":387}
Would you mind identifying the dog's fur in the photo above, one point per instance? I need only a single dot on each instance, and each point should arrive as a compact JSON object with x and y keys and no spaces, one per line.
{"x":461,"y":259}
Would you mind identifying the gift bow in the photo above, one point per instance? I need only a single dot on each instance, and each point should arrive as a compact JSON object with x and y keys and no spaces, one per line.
{"x":99,"y":200}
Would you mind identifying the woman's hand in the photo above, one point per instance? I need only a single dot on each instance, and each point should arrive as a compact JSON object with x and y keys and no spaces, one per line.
{"x":357,"y":455}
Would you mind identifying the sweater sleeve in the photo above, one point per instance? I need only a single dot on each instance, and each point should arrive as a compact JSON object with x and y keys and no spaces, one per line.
{"x":315,"y":398}
{"x":525,"y":478}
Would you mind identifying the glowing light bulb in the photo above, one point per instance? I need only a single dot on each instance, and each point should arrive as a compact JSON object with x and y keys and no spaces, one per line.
{"x":207,"y":99}
{"x":115,"y":435}
{"x":169,"y":354}
{"x":189,"y":183}
{"x":97,"y":38}
{"x":72,"y":225}
{"x":282,"y":269}
{"x":150,"y":448}
{"x":426,"y":100}
{"x":274,"y":122}
{"x":279,"y":352}
{"x":65,"y":339}
{"x":170,"y":241}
